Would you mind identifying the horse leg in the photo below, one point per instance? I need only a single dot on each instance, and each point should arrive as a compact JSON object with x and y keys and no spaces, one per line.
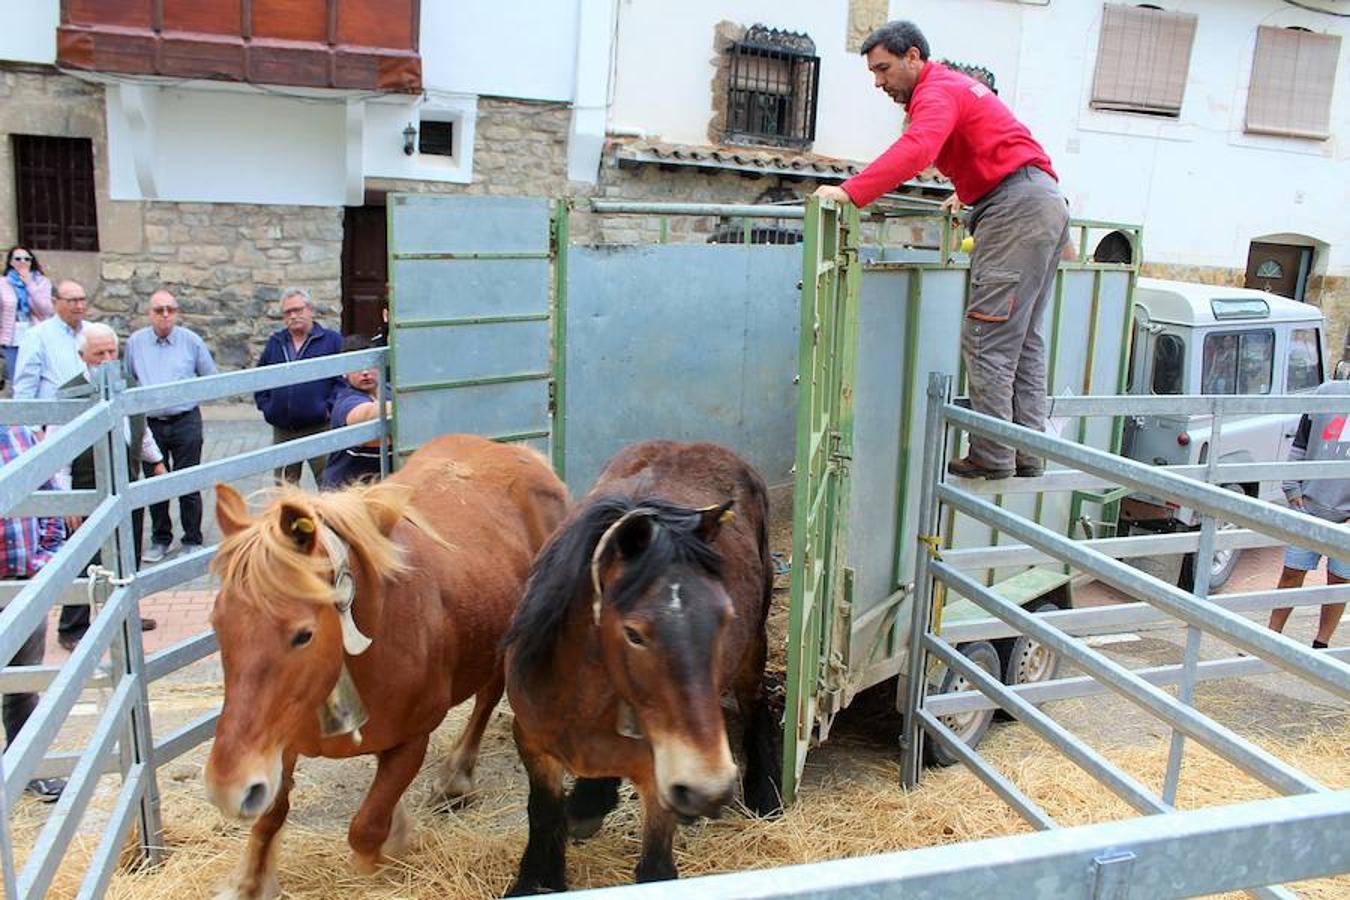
{"x":543,"y":867}
{"x":590,"y":801}
{"x":256,"y":878}
{"x":762,"y":742}
{"x":380,"y":830}
{"x":658,"y":834}
{"x":455,"y":781}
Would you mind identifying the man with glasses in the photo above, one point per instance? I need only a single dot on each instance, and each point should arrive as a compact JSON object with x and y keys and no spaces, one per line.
{"x":47,"y":355}
{"x":298,"y":410}
{"x":162,"y":353}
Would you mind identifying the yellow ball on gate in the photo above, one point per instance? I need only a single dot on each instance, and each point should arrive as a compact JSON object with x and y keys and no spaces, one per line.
{"x":968,"y":243}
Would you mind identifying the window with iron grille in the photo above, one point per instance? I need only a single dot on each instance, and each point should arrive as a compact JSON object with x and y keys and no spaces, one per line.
{"x":771,"y":88}
{"x":54,"y":185}
{"x":436,"y":138}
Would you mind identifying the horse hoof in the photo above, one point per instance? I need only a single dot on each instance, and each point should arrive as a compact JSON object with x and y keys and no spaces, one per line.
{"x":270,"y":889}
{"x":453,"y":792}
{"x":365,"y":863}
{"x":580,"y":829}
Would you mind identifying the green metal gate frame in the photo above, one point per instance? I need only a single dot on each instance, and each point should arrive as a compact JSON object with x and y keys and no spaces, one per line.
{"x":826,"y":371}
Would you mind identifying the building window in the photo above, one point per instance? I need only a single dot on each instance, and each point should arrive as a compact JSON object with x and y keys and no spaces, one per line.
{"x":436,"y":138}
{"x":771,"y":88}
{"x":1293,"y":72}
{"x":1142,"y":60}
{"x":54,"y":186}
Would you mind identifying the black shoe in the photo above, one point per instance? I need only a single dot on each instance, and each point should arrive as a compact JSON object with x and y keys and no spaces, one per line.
{"x":964,"y":468}
{"x":48,"y":790}
{"x":1033,"y":470}
{"x":149,"y":624}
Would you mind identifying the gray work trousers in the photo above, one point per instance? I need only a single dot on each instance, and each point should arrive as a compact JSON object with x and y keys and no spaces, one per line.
{"x":291,"y":471}
{"x":1020,"y":227}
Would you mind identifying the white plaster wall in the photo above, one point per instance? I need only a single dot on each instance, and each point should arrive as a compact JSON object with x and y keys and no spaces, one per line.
{"x":28,"y":30}
{"x":503,"y":48}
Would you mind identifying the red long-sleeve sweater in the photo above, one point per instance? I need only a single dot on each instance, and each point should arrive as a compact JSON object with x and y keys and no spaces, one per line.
{"x":961,"y":125}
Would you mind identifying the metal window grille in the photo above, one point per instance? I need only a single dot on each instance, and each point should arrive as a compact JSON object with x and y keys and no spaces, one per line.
{"x":54,"y":185}
{"x":1143,"y":59}
{"x":771,"y":88}
{"x":729,"y":232}
{"x":436,"y":138}
{"x":1293,"y":72}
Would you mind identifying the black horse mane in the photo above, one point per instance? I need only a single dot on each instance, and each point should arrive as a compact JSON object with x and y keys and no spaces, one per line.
{"x":562,"y":572}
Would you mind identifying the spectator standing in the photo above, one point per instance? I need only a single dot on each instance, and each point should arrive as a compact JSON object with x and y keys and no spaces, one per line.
{"x":298,"y":410}
{"x":47,"y":356}
{"x":162,"y":353}
{"x":26,"y":545}
{"x":354,"y":402}
{"x":25,"y":300}
{"x":1319,"y":436}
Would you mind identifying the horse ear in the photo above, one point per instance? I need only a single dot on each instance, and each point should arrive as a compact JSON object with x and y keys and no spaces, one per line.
{"x":634,"y":536}
{"x":231,"y":511}
{"x":299,"y":526}
{"x":712,"y":518}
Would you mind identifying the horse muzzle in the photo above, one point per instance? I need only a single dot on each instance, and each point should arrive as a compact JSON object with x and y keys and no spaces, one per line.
{"x":689,"y":784}
{"x":251,"y":790}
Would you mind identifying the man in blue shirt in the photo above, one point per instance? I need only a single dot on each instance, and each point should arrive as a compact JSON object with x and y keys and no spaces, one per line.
{"x":298,"y":410}
{"x":354,"y":402}
{"x":47,"y":356}
{"x":163,"y":353}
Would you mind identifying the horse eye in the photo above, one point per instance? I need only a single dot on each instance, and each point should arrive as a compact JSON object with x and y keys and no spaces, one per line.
{"x":302,"y":637}
{"x":633,"y":636}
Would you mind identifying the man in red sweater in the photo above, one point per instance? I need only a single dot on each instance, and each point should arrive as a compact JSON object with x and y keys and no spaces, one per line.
{"x":1018,"y":216}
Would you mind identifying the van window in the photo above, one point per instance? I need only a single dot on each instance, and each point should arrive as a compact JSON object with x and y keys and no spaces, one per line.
{"x":1238,"y":362}
{"x":1305,"y":360}
{"x":1169,"y":358}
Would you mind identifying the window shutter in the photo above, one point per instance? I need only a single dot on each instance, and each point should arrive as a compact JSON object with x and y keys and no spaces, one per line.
{"x":1293,"y":73}
{"x":1143,"y":59}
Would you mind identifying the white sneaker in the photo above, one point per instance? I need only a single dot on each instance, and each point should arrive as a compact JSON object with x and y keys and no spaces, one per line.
{"x":155,"y":553}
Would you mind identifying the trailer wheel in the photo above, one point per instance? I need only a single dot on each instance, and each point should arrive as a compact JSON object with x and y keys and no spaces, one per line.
{"x":969,"y":727}
{"x":1030,"y":661}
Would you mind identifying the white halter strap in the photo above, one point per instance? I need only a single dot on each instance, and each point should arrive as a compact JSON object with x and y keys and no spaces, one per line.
{"x":344,"y":592}
{"x":599,"y":553}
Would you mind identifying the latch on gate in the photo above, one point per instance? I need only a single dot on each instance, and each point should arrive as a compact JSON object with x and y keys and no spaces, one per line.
{"x":1111,"y":875}
{"x":101,"y":583}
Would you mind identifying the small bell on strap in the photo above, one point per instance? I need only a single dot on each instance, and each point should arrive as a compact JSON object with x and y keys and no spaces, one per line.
{"x":342,"y":711}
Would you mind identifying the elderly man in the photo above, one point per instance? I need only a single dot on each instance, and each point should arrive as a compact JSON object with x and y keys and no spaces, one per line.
{"x":162,"y":353}
{"x":96,"y":345}
{"x":47,"y":356}
{"x":354,"y":402}
{"x":1018,"y":217}
{"x":298,"y":410}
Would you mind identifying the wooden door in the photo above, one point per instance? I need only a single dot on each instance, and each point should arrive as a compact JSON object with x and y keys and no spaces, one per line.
{"x":1275,"y":268}
{"x":365,"y":269}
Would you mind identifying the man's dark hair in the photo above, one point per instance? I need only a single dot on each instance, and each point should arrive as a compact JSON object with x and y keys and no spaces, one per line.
{"x":897,"y":37}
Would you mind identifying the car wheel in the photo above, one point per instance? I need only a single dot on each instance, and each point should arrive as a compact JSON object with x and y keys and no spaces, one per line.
{"x":969,"y":727}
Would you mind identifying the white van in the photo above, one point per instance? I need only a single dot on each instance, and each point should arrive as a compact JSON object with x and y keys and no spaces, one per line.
{"x":1209,"y":339}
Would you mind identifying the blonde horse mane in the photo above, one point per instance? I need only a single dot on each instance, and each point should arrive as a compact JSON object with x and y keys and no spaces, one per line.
{"x":262,"y":561}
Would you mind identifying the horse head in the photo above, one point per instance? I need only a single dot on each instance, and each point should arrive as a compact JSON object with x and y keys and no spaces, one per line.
{"x":276,"y":617}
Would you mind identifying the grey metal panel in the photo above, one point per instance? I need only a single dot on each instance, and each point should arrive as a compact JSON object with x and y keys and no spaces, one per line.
{"x":460,"y":288}
{"x":434,"y":355}
{"x":690,"y":342}
{"x":493,"y":410}
{"x":424,"y":223}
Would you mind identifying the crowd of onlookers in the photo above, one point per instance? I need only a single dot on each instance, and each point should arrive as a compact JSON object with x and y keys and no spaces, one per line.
{"x":51,"y":351}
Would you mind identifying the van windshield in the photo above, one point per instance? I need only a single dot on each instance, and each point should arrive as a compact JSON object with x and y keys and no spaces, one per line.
{"x":1238,"y":362}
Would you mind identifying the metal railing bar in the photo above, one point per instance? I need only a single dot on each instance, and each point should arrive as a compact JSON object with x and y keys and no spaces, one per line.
{"x":1087,"y":686}
{"x":43,"y":412}
{"x":1115,"y":548}
{"x":204,"y":476}
{"x":1226,"y":473}
{"x":54,"y":839}
{"x":503,"y":319}
{"x":1288,"y":525}
{"x":38,"y":733}
{"x":56,"y":503}
{"x":455,"y":255}
{"x":246,"y":381}
{"x":180,"y":655}
{"x":1265,"y":767}
{"x":36,"y":679}
{"x":33,"y":468}
{"x":104,"y":861}
{"x":464,"y":383}
{"x":993,"y":779}
{"x":623,"y":207}
{"x":1141,"y":616}
{"x":1188,"y":404}
{"x":1203,"y":851}
{"x":26,"y":611}
{"x":171,"y":573}
{"x":1237,"y":630}
{"x":1089,"y":760}
{"x":184,"y":738}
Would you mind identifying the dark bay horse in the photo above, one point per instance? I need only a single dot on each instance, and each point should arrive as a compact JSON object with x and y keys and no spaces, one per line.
{"x":430,"y":566}
{"x":647,"y":603}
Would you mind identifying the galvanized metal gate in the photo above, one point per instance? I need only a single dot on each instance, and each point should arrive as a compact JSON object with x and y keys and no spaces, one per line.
{"x":471,"y":318}
{"x":826,"y":369}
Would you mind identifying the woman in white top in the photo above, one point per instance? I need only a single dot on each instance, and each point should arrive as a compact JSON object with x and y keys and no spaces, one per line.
{"x":25,"y":300}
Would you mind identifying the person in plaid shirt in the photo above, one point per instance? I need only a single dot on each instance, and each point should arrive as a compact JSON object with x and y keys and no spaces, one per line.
{"x":26,"y":545}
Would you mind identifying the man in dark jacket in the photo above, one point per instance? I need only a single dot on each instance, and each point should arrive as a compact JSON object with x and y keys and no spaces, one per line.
{"x":298,"y":410}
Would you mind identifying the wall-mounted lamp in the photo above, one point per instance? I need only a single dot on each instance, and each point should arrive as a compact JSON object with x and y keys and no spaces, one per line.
{"x":409,"y":139}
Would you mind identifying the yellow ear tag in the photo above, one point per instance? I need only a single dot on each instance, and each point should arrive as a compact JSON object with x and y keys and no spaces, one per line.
{"x":304,"y":525}
{"x":727,"y":517}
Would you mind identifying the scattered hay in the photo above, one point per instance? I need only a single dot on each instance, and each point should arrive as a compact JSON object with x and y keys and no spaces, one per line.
{"x":850,"y":806}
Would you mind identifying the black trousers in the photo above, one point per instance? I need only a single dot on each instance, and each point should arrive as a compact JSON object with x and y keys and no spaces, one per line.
{"x":18,"y":707}
{"x":180,"y":440}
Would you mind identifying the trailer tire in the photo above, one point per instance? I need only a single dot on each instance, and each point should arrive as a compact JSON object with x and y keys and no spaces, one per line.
{"x":1026,"y":660}
{"x":970,"y":727}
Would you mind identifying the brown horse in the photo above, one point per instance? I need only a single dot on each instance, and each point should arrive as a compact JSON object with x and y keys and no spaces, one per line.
{"x":429,"y":567}
{"x":648,"y":603}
